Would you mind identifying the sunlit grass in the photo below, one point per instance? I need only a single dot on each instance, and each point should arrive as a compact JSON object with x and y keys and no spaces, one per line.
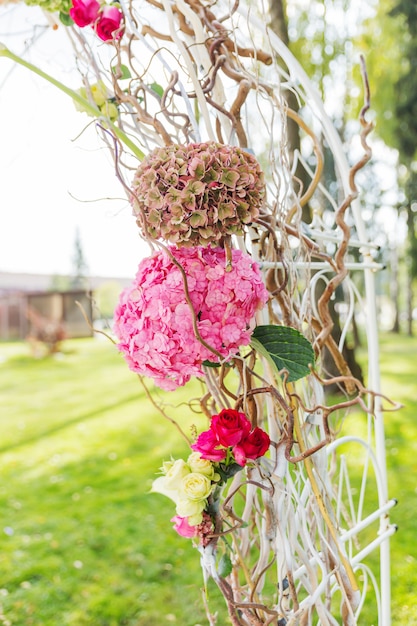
{"x":83,"y":542}
{"x":399,"y":380}
{"x":399,"y":383}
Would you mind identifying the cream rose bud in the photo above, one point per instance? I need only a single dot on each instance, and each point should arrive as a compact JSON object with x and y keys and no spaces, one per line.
{"x":193,"y":509}
{"x":99,"y":93}
{"x":195,"y":520}
{"x":175,"y":472}
{"x":170,"y":484}
{"x":195,"y":486}
{"x":201,"y":466}
{"x":109,"y":109}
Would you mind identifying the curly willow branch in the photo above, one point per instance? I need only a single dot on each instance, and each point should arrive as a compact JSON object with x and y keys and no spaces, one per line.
{"x":195,"y":76}
{"x":323,"y":303}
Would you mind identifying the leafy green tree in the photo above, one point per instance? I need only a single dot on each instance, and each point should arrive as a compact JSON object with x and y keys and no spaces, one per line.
{"x":322,"y":47}
{"x":327,"y":48}
{"x":380,"y":33}
{"x":393,"y":81}
{"x":322,"y":36}
{"x":410,"y":207}
{"x":278,"y":23}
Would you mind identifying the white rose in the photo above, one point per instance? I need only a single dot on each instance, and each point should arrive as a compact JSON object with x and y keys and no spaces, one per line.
{"x":170,"y":484}
{"x":191,"y":509}
{"x":195,"y":486}
{"x":175,"y":472}
{"x":199,"y":465}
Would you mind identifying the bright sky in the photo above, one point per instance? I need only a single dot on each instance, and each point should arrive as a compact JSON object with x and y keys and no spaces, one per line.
{"x":51,"y":180}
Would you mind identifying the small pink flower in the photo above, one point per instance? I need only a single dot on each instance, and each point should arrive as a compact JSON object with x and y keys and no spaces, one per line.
{"x":253,"y":446}
{"x":230,"y":427}
{"x":183,"y":528}
{"x":109,"y":23}
{"x":84,"y":12}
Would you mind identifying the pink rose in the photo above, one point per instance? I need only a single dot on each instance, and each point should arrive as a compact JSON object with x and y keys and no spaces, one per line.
{"x":109,"y":22}
{"x":230,"y":427}
{"x":208,"y":447}
{"x":183,"y":528}
{"x":84,"y":12}
{"x":253,"y":446}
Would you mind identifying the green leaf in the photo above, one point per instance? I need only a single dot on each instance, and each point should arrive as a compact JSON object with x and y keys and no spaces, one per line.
{"x":210,"y":363}
{"x":66,"y":19}
{"x":225,"y":566}
{"x":157,"y":89}
{"x":286,"y":347}
{"x":121,"y":71}
{"x":228,"y":471}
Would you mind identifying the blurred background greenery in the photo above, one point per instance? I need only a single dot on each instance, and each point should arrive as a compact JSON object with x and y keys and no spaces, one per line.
{"x":82,"y":542}
{"x":81,"y":539}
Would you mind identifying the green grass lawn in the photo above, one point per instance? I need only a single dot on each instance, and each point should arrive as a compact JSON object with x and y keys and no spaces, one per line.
{"x":399,"y":381}
{"x":82,"y":542}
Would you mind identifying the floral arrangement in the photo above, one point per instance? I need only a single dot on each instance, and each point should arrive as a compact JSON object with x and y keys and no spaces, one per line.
{"x":105,"y":19}
{"x":197,"y":194}
{"x":155,"y":323}
{"x":195,"y":302}
{"x":195,"y":485}
{"x":231,"y":439}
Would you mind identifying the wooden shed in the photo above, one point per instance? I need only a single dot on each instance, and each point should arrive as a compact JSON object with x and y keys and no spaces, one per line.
{"x":21,"y":312}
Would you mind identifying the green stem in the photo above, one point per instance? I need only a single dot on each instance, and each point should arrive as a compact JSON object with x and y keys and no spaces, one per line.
{"x":85,"y":104}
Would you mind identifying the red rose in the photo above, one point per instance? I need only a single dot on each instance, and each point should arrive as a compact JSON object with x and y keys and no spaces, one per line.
{"x":230,"y":427}
{"x":208,"y":447}
{"x":109,"y":22}
{"x":252,"y":447}
{"x":84,"y":12}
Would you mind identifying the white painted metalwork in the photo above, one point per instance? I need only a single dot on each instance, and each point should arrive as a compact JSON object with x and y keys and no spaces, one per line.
{"x":296,"y":513}
{"x":375,"y":443}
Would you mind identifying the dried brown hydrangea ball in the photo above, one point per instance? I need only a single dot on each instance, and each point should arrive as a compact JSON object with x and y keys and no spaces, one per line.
{"x":196,"y":194}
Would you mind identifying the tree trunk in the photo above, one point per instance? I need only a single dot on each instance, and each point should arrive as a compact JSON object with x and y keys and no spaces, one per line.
{"x":278,"y":24}
{"x":278,"y":19}
{"x":409,"y":303}
{"x":394,"y":289}
{"x":410,"y":268}
{"x":348,"y":353}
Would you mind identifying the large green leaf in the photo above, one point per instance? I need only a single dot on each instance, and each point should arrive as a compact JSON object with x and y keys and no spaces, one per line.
{"x":225,"y":566}
{"x":286,"y":347}
{"x":121,"y":71}
{"x":158,"y":89}
{"x":66,"y":19}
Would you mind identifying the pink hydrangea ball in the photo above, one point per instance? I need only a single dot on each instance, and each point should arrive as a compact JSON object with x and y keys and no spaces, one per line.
{"x":154,"y":324}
